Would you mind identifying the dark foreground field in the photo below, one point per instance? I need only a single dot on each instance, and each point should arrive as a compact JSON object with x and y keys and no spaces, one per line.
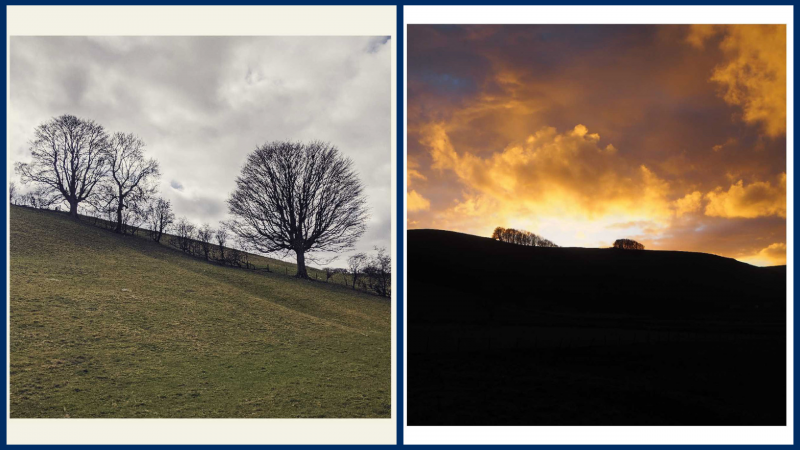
{"x":111,"y":326}
{"x":508,"y":335}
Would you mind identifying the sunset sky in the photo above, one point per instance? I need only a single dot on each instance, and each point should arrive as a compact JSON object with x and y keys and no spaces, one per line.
{"x":671,"y":135}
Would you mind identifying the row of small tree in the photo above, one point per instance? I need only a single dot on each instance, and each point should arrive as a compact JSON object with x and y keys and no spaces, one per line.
{"x":289,"y":197}
{"x":369,"y":273}
{"x":520,"y":237}
{"x":215,"y":245}
{"x":38,"y":197}
{"x":628,"y":244}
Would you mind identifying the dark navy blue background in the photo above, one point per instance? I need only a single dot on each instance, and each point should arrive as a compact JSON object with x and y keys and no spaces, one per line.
{"x":400,"y":213}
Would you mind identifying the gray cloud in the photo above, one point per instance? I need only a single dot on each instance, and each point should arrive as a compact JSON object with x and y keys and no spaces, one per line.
{"x":203,"y":103}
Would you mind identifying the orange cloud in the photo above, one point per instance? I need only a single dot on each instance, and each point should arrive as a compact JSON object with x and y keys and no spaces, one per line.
{"x":690,"y":203}
{"x":754,"y":200}
{"x":564,"y":175}
{"x":699,"y":33}
{"x":413,"y":173}
{"x":753,"y":75}
{"x":416,"y":202}
{"x":773,"y":255}
{"x":482,"y":101}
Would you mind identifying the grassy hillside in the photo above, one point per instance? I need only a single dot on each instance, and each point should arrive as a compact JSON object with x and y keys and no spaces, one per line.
{"x":110,"y":326}
{"x":258,"y":262}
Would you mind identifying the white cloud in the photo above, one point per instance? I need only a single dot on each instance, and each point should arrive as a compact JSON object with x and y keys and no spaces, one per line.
{"x":203,"y":103}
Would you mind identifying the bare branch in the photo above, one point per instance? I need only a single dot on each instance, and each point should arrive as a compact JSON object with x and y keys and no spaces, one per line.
{"x":298,"y":197}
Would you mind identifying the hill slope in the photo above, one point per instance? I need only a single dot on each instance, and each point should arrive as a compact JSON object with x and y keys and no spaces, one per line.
{"x":666,"y":283}
{"x":500,"y":334}
{"x":112,"y":326}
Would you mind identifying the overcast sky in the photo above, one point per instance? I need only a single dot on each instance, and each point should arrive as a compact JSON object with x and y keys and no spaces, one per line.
{"x":671,"y":135}
{"x":202,"y":104}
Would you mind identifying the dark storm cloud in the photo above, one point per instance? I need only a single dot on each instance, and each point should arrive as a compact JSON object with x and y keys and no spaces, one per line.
{"x":202,"y":104}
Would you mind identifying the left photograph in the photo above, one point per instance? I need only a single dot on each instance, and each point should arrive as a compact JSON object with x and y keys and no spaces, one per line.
{"x":200,"y":227}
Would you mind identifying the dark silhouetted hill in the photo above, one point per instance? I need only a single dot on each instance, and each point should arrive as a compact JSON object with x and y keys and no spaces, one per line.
{"x":501,"y":334}
{"x":466,"y":268}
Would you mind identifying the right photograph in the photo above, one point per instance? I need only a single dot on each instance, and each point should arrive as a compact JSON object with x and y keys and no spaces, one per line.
{"x":596,"y":225}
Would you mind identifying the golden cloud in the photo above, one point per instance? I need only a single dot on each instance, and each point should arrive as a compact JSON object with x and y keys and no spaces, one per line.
{"x":754,"y":73}
{"x":754,"y":200}
{"x":689,"y":203}
{"x":773,"y":255}
{"x":416,"y":202}
{"x":564,"y":175}
{"x":412,"y":172}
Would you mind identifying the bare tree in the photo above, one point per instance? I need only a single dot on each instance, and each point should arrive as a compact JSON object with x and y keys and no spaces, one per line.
{"x":41,"y":197}
{"x":356,"y":263}
{"x":12,"y":193}
{"x":68,"y":158}
{"x":298,"y":197}
{"x":222,"y":238}
{"x":520,"y":237}
{"x":105,"y":204}
{"x":233,"y":257}
{"x":243,"y":255}
{"x":101,"y":204}
{"x":205,"y":234}
{"x":135,"y":214}
{"x":379,"y":273}
{"x":160,"y":217}
{"x":184,"y":235}
{"x":131,"y":175}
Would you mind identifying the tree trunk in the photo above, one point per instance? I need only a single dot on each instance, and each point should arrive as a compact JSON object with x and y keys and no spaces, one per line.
{"x":73,"y":209}
{"x":301,"y":264}
{"x":118,"y":229}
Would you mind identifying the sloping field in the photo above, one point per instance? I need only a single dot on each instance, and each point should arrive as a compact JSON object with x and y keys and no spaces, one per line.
{"x":501,"y":334}
{"x":113,"y":326}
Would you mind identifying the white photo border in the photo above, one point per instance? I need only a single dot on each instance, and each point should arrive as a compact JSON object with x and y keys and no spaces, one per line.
{"x":616,"y":435}
{"x":209,"y":20}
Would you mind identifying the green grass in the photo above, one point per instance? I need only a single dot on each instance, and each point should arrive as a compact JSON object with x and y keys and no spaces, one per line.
{"x":258,"y":262}
{"x":118,"y":326}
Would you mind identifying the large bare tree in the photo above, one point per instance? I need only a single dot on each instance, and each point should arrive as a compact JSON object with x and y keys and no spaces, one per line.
{"x":301,"y":198}
{"x":131,"y":175}
{"x":68,"y":158}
